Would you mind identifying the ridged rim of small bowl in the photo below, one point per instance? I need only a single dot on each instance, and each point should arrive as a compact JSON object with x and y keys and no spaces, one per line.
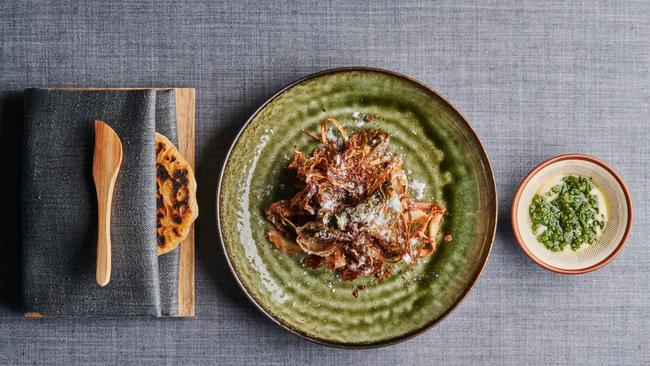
{"x":537,"y":169}
{"x":467,"y":290}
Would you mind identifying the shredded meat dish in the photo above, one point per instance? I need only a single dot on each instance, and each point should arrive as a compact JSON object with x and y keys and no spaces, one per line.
{"x":352,"y":211}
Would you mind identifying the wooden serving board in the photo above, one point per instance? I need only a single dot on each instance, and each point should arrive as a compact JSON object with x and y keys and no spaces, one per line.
{"x":185,"y":125}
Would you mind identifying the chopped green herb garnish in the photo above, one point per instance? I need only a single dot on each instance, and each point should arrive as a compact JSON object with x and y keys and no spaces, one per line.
{"x":568,"y":214}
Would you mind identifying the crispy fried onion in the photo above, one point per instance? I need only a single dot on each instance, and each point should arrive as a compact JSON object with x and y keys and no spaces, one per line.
{"x":352,"y":211}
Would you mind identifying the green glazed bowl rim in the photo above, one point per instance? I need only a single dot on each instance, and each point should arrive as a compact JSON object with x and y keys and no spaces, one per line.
{"x":484,"y":157}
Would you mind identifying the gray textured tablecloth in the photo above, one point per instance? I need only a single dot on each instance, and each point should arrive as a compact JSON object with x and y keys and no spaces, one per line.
{"x":535,"y":79}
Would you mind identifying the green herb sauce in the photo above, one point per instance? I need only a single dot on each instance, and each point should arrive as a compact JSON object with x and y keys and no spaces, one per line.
{"x":568,"y":214}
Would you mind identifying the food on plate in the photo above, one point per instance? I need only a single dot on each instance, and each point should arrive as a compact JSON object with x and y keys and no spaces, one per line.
{"x":176,"y":207}
{"x":352,"y":211}
{"x":568,"y":212}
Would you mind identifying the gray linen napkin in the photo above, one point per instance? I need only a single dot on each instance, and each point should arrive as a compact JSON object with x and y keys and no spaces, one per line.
{"x":168,"y":263}
{"x":60,"y":208}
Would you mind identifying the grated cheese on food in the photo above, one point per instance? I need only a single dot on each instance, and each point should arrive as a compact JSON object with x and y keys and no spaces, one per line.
{"x":418,"y":188}
{"x":394,"y":203}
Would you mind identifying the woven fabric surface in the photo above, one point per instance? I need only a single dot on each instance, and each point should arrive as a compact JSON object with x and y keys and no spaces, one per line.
{"x":60,"y":211}
{"x":168,"y":263}
{"x":535,"y":79}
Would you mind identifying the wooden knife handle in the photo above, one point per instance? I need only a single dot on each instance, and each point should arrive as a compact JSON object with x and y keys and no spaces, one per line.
{"x":104,"y":203}
{"x":107,"y":159}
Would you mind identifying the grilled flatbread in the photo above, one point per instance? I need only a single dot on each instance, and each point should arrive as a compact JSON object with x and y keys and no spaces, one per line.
{"x":176,"y":196}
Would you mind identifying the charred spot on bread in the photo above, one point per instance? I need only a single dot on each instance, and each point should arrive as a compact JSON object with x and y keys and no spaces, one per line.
{"x":160,"y":147}
{"x":162,"y":172}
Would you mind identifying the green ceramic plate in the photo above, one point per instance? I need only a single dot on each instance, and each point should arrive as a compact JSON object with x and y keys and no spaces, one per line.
{"x":438,"y":148}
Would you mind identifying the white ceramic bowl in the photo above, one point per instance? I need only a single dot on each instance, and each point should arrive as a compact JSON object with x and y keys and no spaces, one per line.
{"x":619,"y":209}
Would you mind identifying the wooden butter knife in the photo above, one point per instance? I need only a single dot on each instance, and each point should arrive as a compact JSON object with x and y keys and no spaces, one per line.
{"x":107,"y":159}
